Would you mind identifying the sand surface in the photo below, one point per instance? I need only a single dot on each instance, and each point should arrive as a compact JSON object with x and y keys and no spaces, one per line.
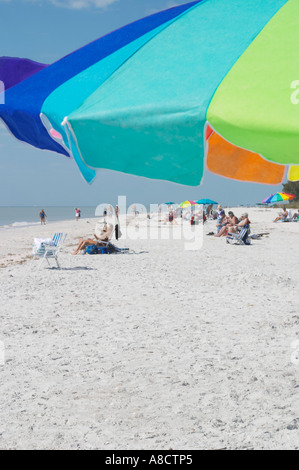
{"x":162,"y":348}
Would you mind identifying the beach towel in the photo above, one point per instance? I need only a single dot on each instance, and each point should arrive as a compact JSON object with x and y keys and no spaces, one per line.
{"x":38,"y":242}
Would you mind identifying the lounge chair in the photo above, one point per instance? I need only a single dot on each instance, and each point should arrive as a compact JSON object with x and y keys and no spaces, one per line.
{"x":239,"y":238}
{"x":289,"y":217}
{"x":47,"y":251}
{"x":292,"y":217}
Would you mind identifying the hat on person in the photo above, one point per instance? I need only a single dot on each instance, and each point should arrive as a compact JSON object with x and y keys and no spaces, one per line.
{"x":245,"y":215}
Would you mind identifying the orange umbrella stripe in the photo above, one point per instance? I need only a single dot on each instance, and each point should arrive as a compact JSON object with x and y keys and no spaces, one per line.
{"x":232,"y":162}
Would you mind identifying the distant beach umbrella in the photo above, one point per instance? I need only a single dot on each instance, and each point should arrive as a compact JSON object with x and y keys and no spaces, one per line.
{"x":210,"y":83}
{"x":187,"y":204}
{"x":206,"y":201}
{"x":169,"y":203}
{"x":278,"y":197}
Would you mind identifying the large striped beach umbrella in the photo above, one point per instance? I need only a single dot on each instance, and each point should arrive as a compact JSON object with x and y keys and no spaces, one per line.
{"x":278,"y":197}
{"x":211,"y":83}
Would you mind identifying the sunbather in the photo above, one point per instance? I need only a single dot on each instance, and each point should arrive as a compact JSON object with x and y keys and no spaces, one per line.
{"x":221,"y":218}
{"x":230,"y":221}
{"x":243,"y":223}
{"x":105,"y":234}
{"x":90,"y":242}
{"x":282,"y":216}
{"x":233,"y":220}
{"x":84,"y":243}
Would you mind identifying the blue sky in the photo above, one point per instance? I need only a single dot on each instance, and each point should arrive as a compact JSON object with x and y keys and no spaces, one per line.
{"x":45,"y":31}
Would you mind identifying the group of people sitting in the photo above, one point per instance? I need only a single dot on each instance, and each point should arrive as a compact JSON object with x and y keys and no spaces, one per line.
{"x":227,"y":224}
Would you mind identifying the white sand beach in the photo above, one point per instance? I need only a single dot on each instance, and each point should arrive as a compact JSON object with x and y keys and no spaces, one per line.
{"x":159,"y":349}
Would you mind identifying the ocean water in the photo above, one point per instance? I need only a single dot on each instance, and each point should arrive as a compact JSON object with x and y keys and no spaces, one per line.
{"x":14,"y":217}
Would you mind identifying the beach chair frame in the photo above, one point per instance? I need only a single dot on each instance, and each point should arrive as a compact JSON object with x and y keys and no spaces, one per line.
{"x":239,"y":238}
{"x":52,"y":251}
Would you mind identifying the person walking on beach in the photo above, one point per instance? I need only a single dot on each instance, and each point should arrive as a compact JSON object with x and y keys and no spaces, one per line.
{"x":42,"y":216}
{"x":77,"y":213}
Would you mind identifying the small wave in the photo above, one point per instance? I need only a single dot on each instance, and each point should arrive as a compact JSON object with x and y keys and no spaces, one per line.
{"x":19,"y":225}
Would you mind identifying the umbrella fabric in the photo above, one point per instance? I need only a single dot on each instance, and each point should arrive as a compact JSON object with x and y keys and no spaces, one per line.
{"x":148,"y":97}
{"x":293,"y":174}
{"x":236,"y":163}
{"x":14,"y":70}
{"x":169,"y":203}
{"x":187,"y":204}
{"x":206,"y":201}
{"x":278,"y":197}
{"x":61,"y":82}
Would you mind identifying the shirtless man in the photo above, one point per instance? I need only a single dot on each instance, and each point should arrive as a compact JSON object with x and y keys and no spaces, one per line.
{"x":231,"y":220}
{"x":244,"y":221}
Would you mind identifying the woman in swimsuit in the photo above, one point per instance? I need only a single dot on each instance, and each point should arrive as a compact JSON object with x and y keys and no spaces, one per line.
{"x":43,"y":216}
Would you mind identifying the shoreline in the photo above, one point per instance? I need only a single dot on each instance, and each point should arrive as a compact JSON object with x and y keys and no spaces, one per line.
{"x":22,"y":216}
{"x":20,"y":225}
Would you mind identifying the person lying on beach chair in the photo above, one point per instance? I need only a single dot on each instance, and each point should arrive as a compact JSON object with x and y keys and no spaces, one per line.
{"x":83,"y":244}
{"x":104,"y":236}
{"x":97,"y":247}
{"x":282,"y":216}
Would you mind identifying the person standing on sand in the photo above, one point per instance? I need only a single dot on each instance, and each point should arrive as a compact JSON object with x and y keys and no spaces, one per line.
{"x":117,"y":225}
{"x":78,"y":214}
{"x":42,"y":216}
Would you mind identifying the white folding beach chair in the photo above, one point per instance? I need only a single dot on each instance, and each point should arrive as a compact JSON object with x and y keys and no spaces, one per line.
{"x":52,"y":250}
{"x":239,"y":238}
